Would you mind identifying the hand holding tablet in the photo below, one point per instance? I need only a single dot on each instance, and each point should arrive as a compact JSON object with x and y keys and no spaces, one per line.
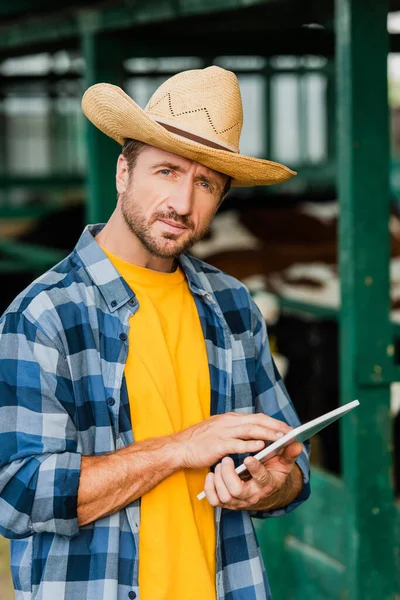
{"x":299,"y":434}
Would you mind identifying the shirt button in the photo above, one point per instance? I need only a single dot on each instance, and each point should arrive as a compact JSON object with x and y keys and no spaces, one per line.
{"x":132,"y":595}
{"x":131,"y":301}
{"x":110,"y":401}
{"x":114,"y":303}
{"x":123,"y":336}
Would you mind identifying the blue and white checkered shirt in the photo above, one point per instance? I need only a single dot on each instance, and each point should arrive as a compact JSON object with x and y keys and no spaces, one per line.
{"x":63,"y":349}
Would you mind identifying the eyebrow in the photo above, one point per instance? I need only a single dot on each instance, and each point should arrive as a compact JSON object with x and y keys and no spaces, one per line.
{"x":168,"y":165}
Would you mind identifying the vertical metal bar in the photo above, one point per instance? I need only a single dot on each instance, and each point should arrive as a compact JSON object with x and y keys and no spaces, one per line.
{"x":3,"y":146}
{"x":103,"y":63}
{"x":3,"y":135}
{"x":267,"y":111}
{"x":363,"y":144}
{"x":56,"y":162}
{"x":302,"y":113}
{"x":331,"y":115}
{"x":208,"y":60}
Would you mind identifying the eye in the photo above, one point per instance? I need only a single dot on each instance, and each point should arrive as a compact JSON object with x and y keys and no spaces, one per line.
{"x":165,"y":171}
{"x":206,"y":185}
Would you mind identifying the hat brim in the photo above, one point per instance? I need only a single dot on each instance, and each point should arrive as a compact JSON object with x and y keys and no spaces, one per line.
{"x":112,"y":111}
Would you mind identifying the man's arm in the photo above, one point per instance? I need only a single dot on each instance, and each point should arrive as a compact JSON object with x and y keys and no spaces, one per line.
{"x":111,"y":481}
{"x":39,"y":462}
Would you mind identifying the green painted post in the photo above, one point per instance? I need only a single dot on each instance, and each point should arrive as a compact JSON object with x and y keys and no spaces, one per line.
{"x":58,"y":151}
{"x":365,"y":348}
{"x":267,"y":150}
{"x":3,"y":136}
{"x":303,"y":117}
{"x":103,"y":63}
{"x":331,"y":115}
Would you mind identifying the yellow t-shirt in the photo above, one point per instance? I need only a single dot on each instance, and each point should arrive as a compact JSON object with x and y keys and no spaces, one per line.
{"x":168,"y":385}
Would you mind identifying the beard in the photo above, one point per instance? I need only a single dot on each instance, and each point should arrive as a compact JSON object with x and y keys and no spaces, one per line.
{"x":161,"y":245}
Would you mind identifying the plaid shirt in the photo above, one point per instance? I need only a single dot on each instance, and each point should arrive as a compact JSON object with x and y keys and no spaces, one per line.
{"x":63,"y":349}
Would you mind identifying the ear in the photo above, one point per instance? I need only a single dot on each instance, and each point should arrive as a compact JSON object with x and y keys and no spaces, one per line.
{"x":122,"y":174}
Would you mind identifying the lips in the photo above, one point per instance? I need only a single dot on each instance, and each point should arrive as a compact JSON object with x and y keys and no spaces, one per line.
{"x":173,"y":225}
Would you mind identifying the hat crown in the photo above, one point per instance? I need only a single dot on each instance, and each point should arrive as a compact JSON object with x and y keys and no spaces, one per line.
{"x":203,"y":102}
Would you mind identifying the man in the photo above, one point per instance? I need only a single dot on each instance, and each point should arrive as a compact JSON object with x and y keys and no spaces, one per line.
{"x":134,"y":376}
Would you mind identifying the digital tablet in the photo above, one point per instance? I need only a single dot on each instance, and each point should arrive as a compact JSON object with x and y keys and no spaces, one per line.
{"x":299,"y":434}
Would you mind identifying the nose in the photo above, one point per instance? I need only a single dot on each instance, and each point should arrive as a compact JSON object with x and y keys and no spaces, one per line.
{"x":181,"y":199}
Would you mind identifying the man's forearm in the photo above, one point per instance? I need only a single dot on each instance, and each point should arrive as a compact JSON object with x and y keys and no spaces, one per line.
{"x":111,"y":481}
{"x":286,"y":494}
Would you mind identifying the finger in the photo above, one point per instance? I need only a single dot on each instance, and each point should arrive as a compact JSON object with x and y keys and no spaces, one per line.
{"x":262,"y":420}
{"x":237,"y":446}
{"x":284,"y":460}
{"x":231,"y":479}
{"x":220,"y":487}
{"x":292,"y":452}
{"x":272,"y":458}
{"x":256,"y":432}
{"x":210,"y":491}
{"x":259,"y":473}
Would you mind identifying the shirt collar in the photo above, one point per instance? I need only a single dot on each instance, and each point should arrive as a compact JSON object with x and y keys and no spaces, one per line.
{"x":112,"y":286}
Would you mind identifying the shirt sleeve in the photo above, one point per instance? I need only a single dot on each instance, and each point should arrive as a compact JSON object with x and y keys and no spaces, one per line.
{"x":39,"y":462}
{"x":273,"y":399}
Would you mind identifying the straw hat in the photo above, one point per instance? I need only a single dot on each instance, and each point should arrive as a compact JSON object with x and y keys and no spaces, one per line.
{"x":196,"y":114}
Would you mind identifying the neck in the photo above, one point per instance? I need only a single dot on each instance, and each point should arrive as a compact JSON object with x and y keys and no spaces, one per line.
{"x":118,"y":239}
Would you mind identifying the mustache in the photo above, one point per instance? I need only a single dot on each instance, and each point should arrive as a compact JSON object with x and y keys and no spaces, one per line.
{"x":183,"y":220}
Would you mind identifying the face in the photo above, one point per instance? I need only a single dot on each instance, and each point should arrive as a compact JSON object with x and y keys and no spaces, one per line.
{"x":167,"y":201}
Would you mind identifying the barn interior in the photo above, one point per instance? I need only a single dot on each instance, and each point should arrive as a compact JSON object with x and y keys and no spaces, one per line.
{"x":320,"y":253}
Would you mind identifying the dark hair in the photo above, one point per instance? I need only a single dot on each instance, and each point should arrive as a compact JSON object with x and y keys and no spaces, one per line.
{"x":227,"y":187}
{"x":131,"y":150}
